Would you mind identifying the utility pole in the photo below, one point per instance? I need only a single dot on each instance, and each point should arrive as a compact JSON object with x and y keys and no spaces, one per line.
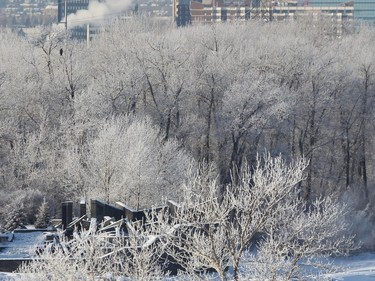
{"x":66,"y":17}
{"x":88,"y":36}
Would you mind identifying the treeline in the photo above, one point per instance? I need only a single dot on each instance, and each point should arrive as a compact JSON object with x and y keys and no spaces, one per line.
{"x":129,"y":117}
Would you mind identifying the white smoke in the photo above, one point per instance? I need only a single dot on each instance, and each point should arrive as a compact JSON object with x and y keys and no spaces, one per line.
{"x":98,"y":12}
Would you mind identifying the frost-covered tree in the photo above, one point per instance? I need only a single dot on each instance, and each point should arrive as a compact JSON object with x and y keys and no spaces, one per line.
{"x":15,"y":218}
{"x":96,"y":256}
{"x":225,"y":92}
{"x":24,"y":202}
{"x":248,"y":107}
{"x":209,"y":230}
{"x":128,"y":161}
{"x":212,"y":231}
{"x":43,"y":216}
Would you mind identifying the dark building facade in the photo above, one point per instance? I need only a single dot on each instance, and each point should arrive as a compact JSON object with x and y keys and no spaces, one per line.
{"x":72,"y":6}
{"x":183,"y":15}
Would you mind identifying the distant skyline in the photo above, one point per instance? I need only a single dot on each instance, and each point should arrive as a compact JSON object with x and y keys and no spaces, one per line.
{"x":27,"y":13}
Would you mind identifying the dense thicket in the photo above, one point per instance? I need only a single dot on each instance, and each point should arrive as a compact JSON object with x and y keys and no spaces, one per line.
{"x":210,"y":236}
{"x":126,"y":117}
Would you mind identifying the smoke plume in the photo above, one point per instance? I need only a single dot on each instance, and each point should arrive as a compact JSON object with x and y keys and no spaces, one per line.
{"x":98,"y":12}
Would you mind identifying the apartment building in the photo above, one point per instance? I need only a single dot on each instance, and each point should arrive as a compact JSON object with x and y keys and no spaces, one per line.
{"x":206,"y":11}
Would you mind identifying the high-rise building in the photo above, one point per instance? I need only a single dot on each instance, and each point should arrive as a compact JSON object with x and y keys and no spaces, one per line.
{"x":325,"y":3}
{"x":222,"y":10}
{"x":364,"y":10}
{"x":181,"y":12}
{"x":208,"y":11}
{"x":72,"y":6}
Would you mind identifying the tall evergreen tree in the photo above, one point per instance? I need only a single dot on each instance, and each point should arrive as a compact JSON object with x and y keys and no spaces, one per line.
{"x":42,"y":218}
{"x":15,"y":219}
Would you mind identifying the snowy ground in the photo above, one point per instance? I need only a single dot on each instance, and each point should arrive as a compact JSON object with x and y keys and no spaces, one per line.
{"x":357,"y":268}
{"x":354,"y":268}
{"x":23,"y":245}
{"x":7,"y":276}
